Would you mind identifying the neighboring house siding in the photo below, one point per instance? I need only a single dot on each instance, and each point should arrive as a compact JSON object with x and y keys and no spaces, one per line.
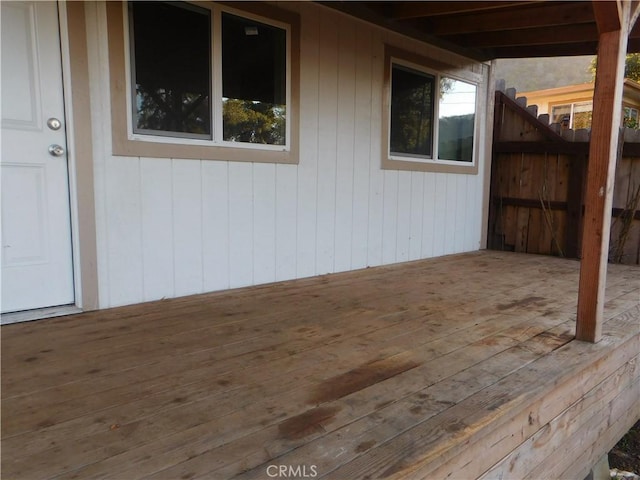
{"x":546,"y":100}
{"x":171,"y":227}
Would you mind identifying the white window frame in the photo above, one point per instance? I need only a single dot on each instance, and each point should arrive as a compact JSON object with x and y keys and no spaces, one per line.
{"x":395,"y":161}
{"x":572,"y":106}
{"x":216,"y":87}
{"x":124,"y":143}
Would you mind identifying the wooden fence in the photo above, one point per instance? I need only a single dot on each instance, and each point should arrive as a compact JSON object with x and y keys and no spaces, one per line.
{"x":538,"y":182}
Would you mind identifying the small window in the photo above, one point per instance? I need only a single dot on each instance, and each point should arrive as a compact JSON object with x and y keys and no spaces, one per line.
{"x":561,"y":114}
{"x":429,"y":116}
{"x":582,"y":115}
{"x":573,"y":115}
{"x":630,"y":119}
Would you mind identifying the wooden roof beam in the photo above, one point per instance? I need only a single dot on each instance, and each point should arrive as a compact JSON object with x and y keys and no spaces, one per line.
{"x":533,"y":16}
{"x":405,"y":10}
{"x":548,"y":50}
{"x":607,"y":16}
{"x":530,"y":36}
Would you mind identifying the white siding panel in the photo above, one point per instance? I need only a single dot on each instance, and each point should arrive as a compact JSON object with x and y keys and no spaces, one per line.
{"x":187,"y":226}
{"x":440,"y":220}
{"x":449,"y":221}
{"x":264,"y":223}
{"x":474,"y":216}
{"x":308,"y":164}
{"x":417,"y":209}
{"x":362,"y":148}
{"x":428,"y":215}
{"x":240,"y":224}
{"x":376,"y":175}
{"x":215,"y":225}
{"x":403,"y":223}
{"x":156,"y":187}
{"x":286,"y":221}
{"x":390,"y":217}
{"x":124,"y":238}
{"x":327,"y":147}
{"x":462,"y":207}
{"x":345,"y":148}
{"x":174,"y":227}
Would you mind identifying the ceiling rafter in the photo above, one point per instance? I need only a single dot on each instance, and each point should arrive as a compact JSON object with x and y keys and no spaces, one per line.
{"x":529,"y":36}
{"x":404,"y":10}
{"x":525,"y":17}
{"x":485,"y":30}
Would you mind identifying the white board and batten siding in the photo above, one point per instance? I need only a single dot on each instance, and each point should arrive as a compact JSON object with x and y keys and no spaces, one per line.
{"x":172,"y":227}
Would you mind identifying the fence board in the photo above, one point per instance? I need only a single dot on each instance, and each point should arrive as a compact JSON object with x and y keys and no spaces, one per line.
{"x":538,"y":184}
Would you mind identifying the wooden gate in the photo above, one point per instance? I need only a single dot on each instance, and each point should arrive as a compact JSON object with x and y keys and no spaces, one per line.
{"x":538,"y":181}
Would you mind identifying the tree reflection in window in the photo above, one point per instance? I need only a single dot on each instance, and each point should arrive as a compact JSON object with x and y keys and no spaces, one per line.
{"x":412,"y":94}
{"x":253,"y":81}
{"x":171,"y":68}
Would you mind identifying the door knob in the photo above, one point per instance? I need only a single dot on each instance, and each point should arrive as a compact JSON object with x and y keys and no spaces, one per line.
{"x":56,"y":150}
{"x":54,"y":123}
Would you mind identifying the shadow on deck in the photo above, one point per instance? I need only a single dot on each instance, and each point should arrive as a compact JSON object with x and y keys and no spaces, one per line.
{"x":457,"y":367}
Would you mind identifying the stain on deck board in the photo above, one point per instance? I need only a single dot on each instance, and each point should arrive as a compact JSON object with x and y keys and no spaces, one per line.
{"x":307,"y":423}
{"x":364,"y":446}
{"x":524,"y":302}
{"x":554,"y":339}
{"x":359,"y":378}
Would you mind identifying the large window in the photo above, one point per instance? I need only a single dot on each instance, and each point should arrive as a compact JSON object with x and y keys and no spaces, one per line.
{"x":204,"y":80}
{"x":171,"y":74}
{"x":430,"y":118}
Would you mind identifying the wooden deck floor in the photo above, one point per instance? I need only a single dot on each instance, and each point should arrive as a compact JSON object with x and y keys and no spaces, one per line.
{"x":456,"y":367}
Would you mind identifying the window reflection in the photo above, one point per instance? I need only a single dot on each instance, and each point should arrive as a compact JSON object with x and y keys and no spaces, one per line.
{"x":171,"y":69}
{"x":412,"y":95}
{"x":456,"y":120}
{"x":253,"y":81}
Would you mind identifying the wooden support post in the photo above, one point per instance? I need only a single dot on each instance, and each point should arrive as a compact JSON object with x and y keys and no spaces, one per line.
{"x":613,"y":20}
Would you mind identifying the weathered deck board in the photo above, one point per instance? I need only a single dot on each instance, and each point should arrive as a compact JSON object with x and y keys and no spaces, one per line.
{"x":404,"y":371}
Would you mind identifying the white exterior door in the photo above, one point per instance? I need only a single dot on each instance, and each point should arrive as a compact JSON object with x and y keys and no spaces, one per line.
{"x":37,"y":268}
